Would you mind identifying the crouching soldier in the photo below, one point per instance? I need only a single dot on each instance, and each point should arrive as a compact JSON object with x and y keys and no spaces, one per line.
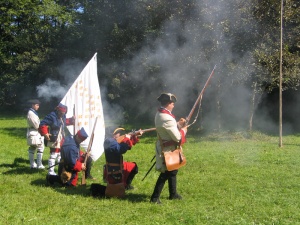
{"x":117,"y":173}
{"x":72,"y":161}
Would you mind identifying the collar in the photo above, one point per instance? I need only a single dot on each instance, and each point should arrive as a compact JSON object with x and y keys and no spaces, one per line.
{"x":164,"y":110}
{"x":35,"y":112}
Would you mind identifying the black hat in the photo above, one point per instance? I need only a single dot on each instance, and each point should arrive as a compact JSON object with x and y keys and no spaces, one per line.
{"x":166,"y":98}
{"x":34,"y":101}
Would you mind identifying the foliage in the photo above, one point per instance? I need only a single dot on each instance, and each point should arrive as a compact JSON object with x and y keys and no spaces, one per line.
{"x":228,"y":179}
{"x":147,"y":45}
{"x":268,"y":54}
{"x":28,"y":32}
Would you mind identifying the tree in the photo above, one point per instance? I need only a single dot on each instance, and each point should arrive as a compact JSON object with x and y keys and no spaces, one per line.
{"x":29,"y":30}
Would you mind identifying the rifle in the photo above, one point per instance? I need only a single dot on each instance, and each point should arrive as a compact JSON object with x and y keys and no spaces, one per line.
{"x":198,"y":101}
{"x":83,"y":180}
{"x":54,"y":165}
{"x":120,"y":139}
{"x":150,"y":168}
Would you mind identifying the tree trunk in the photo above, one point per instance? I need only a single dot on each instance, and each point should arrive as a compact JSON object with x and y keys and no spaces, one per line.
{"x":252,"y":107}
{"x":219,"y":107}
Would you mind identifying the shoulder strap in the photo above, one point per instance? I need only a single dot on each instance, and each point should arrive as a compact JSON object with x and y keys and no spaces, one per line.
{"x":61,"y":126}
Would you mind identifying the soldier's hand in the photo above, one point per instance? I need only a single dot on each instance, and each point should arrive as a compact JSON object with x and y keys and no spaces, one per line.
{"x":73,"y":119}
{"x":83,"y":167}
{"x":181,"y":123}
{"x":185,"y":129}
{"x":47,"y":136}
{"x":139,"y":132}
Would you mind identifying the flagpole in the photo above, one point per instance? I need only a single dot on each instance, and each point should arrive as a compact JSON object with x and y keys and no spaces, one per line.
{"x":74,"y":129}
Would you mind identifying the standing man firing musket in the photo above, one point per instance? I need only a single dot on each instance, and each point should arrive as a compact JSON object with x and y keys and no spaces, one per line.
{"x":170,"y":136}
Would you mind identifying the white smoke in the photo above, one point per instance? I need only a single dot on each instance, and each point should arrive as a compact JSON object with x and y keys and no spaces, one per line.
{"x":68,"y":71}
{"x":51,"y":89}
{"x":113,"y":113}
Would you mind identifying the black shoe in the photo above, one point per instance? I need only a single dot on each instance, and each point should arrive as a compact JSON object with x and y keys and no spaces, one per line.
{"x":176,"y":196}
{"x":129,"y":187}
{"x":155,"y":201}
{"x":49,"y":181}
{"x":98,"y":190}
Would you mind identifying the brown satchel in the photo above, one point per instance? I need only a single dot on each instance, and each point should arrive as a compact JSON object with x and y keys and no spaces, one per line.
{"x":115,"y":190}
{"x":65,"y":176}
{"x":174,"y":159}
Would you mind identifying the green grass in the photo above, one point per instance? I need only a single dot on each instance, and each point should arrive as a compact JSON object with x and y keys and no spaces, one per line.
{"x":230,"y":178}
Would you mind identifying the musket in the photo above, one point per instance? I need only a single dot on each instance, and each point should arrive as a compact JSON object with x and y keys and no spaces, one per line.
{"x":120,"y":139}
{"x":83,"y":180}
{"x":198,"y":101}
{"x":54,"y":165}
{"x":148,"y":171}
{"x":150,"y":168}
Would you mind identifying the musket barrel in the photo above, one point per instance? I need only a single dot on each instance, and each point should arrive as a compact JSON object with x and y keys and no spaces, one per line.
{"x":120,"y":139}
{"x":200,"y":96}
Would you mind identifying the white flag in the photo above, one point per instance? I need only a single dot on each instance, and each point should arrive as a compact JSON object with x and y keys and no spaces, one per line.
{"x":84,"y":100}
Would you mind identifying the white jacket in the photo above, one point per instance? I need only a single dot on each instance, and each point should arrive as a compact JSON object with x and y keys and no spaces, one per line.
{"x":33,"y":122}
{"x":167,"y":130}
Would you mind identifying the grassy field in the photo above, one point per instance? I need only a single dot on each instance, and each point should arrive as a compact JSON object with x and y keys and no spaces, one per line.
{"x":229,"y":179}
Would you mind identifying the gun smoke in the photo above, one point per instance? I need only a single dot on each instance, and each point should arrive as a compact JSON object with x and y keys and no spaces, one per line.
{"x":181,"y":60}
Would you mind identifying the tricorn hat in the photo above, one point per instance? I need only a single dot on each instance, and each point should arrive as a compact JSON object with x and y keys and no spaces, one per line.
{"x":166,"y":98}
{"x":119,"y":130}
{"x":34,"y":101}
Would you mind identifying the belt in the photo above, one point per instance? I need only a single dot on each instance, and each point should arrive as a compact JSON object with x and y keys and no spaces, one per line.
{"x":114,"y":165}
{"x":169,"y":143}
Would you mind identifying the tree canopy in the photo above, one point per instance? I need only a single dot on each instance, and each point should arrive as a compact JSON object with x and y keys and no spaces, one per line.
{"x":148,"y":47}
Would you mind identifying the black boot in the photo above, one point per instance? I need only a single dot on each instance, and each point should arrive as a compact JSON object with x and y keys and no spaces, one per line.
{"x":158,"y":188}
{"x":51,"y":179}
{"x":130,"y":178}
{"x":172,"y":181}
{"x":89,"y":163}
{"x":98,"y":190}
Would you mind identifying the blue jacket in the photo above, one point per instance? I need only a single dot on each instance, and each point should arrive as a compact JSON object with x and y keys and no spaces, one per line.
{"x":70,"y":153}
{"x":114,"y":150}
{"x":54,"y":124}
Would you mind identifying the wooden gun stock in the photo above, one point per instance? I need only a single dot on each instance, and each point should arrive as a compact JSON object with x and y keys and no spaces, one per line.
{"x":83,"y":178}
{"x":120,"y":139}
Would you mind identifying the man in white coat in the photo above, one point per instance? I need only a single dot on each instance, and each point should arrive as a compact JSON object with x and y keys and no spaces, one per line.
{"x":34,"y":139}
{"x":170,"y":136}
